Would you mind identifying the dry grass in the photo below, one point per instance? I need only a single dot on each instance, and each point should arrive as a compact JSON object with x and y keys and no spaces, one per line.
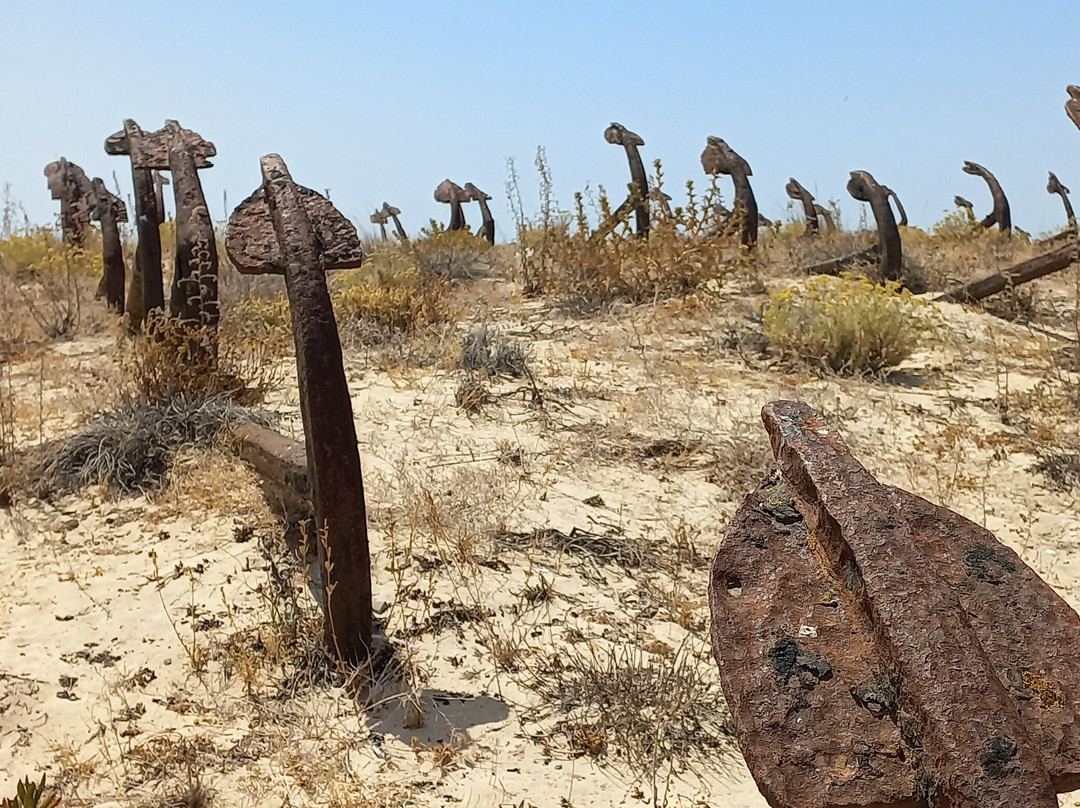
{"x":449,"y":254}
{"x":487,"y":351}
{"x":956,"y":251}
{"x":46,"y":289}
{"x":688,"y":251}
{"x":130,"y":449}
{"x":651,"y":709}
{"x":168,"y":360}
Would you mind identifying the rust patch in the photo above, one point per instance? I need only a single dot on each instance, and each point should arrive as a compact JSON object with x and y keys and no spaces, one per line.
{"x":881,"y":650}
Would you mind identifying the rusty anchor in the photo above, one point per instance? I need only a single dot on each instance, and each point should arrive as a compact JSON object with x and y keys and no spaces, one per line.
{"x":146,"y":290}
{"x":69,"y":184}
{"x":863,"y":187}
{"x":393,"y":213}
{"x":878,"y":650}
{"x":109,"y":210}
{"x":1054,"y":186}
{"x":1072,"y":106}
{"x":380,"y":217}
{"x":796,"y":191}
{"x":194,"y":295}
{"x":618,"y":135}
{"x":284,"y":228}
{"x":1001,"y":215}
{"x":488,"y":227}
{"x":452,"y":194}
{"x":719,"y":158}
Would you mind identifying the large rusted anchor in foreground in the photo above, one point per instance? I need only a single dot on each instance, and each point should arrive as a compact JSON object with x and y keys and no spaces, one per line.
{"x":879,"y":650}
{"x":286,"y":229}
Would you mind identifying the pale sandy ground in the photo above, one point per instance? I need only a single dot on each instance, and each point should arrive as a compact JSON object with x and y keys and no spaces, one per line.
{"x":109,"y":606}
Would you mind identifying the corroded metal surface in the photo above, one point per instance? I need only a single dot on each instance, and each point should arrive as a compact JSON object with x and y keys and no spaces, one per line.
{"x":393,"y":213}
{"x":878,"y":650}
{"x":476,"y":195}
{"x":901,"y":214}
{"x":1072,"y":106}
{"x":69,"y":184}
{"x":1001,"y":215}
{"x":863,"y":187}
{"x":796,"y":191}
{"x":181,"y":152}
{"x":281,"y":463}
{"x":253,"y":245}
{"x":1054,"y":186}
{"x":146,"y":290}
{"x":285,"y":228}
{"x":110,"y":210}
{"x":618,"y":135}
{"x":452,"y":194}
{"x":380,"y":217}
{"x":719,"y":158}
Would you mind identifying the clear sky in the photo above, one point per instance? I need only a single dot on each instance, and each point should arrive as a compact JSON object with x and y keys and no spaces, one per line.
{"x":383,"y":100}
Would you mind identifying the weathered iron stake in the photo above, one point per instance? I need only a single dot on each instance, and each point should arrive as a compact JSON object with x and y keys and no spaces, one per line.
{"x":286,"y":229}
{"x":1001,"y":216}
{"x":863,"y":187}
{"x":796,"y":191}
{"x":110,"y":210}
{"x":146,"y":290}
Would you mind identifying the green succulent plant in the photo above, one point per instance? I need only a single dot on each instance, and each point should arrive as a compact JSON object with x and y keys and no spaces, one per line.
{"x":29,"y":794}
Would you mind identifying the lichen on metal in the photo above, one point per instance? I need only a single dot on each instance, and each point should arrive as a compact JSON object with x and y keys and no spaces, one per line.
{"x":182,"y":152}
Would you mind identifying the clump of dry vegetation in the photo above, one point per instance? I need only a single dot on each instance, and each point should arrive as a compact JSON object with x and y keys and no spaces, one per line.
{"x":44,"y":285}
{"x":689,"y":249}
{"x":847,"y":324}
{"x":450,"y":254}
{"x":957,"y":249}
{"x":182,"y":387}
{"x":650,"y":710}
{"x":168,"y":359}
{"x":486,"y":350}
{"x":132,"y":448}
{"x":398,"y":292}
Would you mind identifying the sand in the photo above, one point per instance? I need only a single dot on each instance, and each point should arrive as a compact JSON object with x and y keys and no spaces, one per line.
{"x":136,"y":630}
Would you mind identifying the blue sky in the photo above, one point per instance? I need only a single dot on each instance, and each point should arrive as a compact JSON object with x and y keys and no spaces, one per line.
{"x":382,"y":100}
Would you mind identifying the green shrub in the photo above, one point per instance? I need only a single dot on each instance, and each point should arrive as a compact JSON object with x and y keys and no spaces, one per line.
{"x":847,"y":324}
{"x":39,"y":251}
